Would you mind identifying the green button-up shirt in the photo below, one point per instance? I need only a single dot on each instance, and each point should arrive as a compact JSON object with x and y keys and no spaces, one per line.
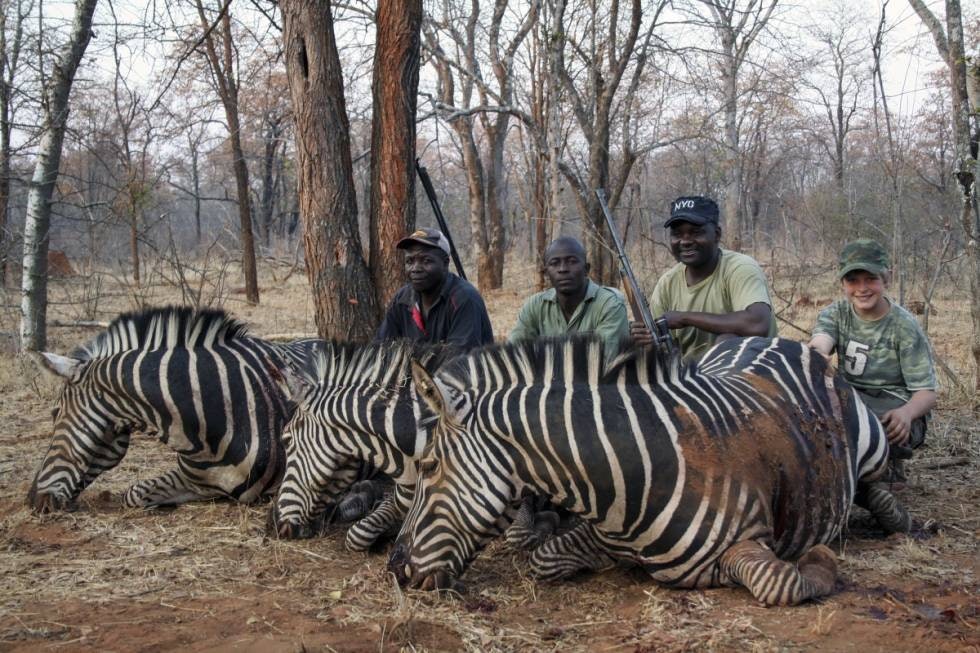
{"x":602,"y":313}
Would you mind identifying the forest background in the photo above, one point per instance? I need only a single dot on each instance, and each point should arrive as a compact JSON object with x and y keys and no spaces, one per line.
{"x":201,"y":136}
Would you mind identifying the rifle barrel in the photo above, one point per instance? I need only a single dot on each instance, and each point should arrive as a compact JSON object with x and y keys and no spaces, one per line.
{"x":430,"y":191}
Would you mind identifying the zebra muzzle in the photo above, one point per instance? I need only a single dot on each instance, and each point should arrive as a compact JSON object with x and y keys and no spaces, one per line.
{"x":398,"y":564}
{"x":42,"y":503}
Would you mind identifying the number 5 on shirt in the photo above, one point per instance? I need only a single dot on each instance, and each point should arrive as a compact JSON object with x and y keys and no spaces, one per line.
{"x":855,"y":358}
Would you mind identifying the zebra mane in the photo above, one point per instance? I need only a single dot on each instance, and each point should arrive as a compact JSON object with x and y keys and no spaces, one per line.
{"x":566,"y":360}
{"x":162,"y":327}
{"x":384,"y":365}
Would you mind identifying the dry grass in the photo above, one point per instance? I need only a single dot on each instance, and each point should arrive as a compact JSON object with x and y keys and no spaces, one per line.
{"x":204,"y":577}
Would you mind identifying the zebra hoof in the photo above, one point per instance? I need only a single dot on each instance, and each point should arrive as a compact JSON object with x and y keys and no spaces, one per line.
{"x":819,"y":566}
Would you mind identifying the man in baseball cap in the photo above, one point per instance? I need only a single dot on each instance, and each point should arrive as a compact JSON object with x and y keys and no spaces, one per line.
{"x":711,"y":291}
{"x":435,"y":305}
{"x":426,"y":236}
{"x":696,"y":210}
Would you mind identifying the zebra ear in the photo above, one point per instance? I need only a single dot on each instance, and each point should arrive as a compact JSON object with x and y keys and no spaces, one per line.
{"x":61,"y":366}
{"x":427,"y":388}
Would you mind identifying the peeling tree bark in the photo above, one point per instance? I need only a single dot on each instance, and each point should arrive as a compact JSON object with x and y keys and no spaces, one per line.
{"x":395,"y":91}
{"x":34,"y":284}
{"x":343,"y":295}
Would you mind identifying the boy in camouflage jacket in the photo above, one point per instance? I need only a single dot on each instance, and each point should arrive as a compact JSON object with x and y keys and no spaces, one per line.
{"x":881,"y":349}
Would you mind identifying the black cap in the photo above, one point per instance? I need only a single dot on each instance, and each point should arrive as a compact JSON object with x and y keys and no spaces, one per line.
{"x":696,"y":210}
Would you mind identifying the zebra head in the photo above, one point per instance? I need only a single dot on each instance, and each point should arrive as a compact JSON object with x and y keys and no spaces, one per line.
{"x":88,"y":438}
{"x":463,"y":494}
{"x":316,"y":468}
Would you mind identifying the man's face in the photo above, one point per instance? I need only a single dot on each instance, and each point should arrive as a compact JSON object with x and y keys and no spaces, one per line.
{"x":566,"y":268}
{"x":426,"y":267}
{"x":692,"y":244}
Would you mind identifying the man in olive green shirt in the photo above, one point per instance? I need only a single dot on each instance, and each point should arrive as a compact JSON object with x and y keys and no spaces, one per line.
{"x":574,"y":304}
{"x":711,"y":291}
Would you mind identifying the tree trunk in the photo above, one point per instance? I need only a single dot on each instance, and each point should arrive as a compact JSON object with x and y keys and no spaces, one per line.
{"x":34,"y":303}
{"x":4,"y":172}
{"x":951,"y":49}
{"x":604,"y":269}
{"x":269,"y":159}
{"x":395,"y":91}
{"x":343,"y":294}
{"x":134,"y":244}
{"x":196,"y":180}
{"x":496,"y":241}
{"x":732,"y":201}
{"x":227,"y":87}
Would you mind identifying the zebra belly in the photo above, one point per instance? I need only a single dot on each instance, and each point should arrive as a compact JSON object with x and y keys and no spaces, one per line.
{"x":681,"y":544}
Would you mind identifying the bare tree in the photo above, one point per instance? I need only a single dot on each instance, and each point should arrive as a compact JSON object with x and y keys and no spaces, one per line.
{"x":395,"y":92}
{"x":950,"y":45}
{"x":843,"y":47}
{"x":57,"y":88}
{"x":484,"y":102}
{"x":736,"y":24}
{"x":225,"y":80}
{"x":343,"y":294}
{"x":10,"y":51}
{"x":613,"y":59}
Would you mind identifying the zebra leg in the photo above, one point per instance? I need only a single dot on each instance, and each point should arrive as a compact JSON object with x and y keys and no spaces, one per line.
{"x":772,"y":581}
{"x":366,"y":532}
{"x":167,"y":489}
{"x":884,"y":507}
{"x":577,"y":550}
{"x":530,"y":527}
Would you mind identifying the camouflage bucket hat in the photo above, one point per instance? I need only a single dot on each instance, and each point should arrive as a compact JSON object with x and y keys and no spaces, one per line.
{"x":863,"y":254}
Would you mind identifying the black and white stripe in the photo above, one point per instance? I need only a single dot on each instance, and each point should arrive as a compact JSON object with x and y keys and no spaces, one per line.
{"x":195,"y":380}
{"x":669,"y":466}
{"x":357,"y":414}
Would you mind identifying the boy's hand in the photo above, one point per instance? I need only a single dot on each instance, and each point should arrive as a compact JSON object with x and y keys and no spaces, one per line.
{"x":898,"y":426}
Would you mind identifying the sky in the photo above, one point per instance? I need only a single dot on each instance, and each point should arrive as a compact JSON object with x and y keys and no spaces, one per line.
{"x":910,"y":51}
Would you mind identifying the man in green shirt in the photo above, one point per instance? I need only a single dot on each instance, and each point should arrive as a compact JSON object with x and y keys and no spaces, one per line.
{"x":711,"y":291}
{"x":574,"y":304}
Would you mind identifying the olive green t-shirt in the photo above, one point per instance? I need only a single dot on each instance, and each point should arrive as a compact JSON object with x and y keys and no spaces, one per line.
{"x":890,"y":354}
{"x":602,"y":312}
{"x":737,"y":283}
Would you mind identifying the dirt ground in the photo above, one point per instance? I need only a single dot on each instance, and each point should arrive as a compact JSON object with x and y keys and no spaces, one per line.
{"x":203,"y":577}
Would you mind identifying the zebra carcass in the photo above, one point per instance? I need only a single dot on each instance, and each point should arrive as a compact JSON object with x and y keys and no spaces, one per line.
{"x":195,"y":380}
{"x":735,"y":472}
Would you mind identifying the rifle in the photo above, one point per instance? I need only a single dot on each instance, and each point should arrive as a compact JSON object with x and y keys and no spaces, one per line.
{"x":637,"y":300}
{"x":431,"y":192}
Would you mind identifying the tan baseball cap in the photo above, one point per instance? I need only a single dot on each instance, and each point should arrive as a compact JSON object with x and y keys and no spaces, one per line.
{"x":425,"y":236}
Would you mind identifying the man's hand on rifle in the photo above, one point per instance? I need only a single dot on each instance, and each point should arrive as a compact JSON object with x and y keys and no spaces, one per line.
{"x":640,"y":334}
